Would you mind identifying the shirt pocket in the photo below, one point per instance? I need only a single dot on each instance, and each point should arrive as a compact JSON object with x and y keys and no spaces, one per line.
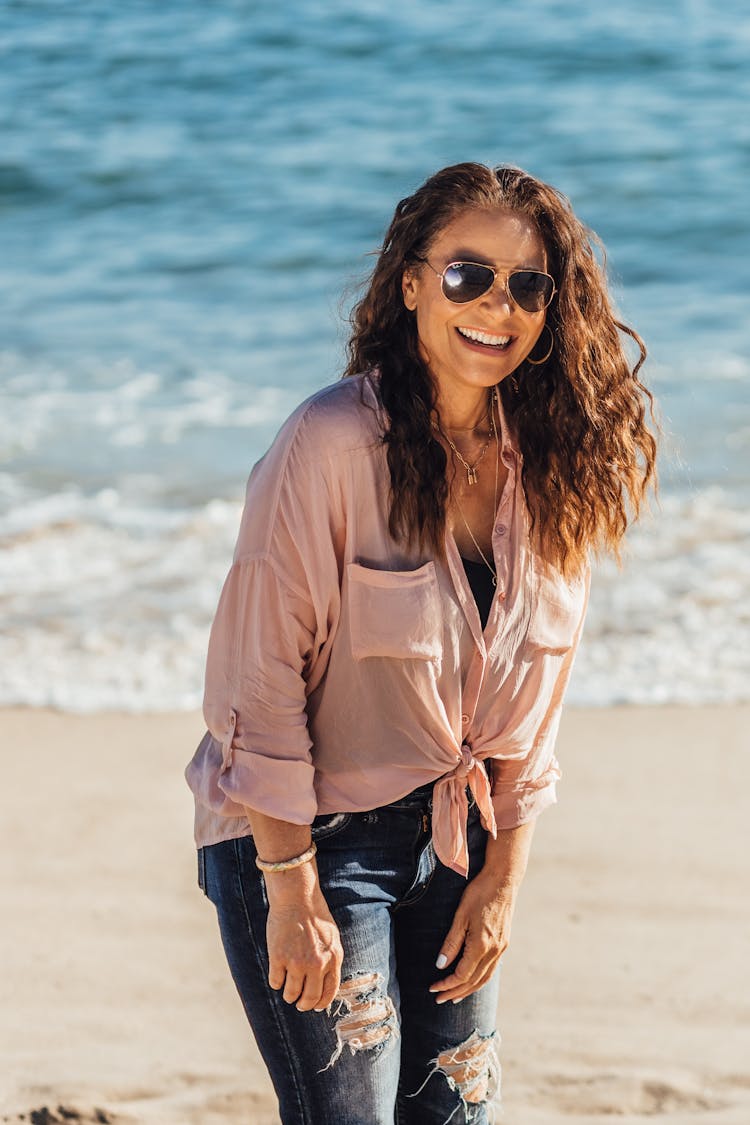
{"x":557,"y":605}
{"x":395,"y":613}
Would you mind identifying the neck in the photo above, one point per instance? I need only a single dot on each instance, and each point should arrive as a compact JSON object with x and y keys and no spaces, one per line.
{"x":468,"y":411}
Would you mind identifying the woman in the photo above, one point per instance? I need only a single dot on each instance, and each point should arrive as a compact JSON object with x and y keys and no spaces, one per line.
{"x":388,"y":661}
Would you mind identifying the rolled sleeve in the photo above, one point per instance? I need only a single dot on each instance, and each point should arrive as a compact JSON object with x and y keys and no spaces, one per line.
{"x":270,"y":639}
{"x":254,"y":702}
{"x":516,"y":800}
{"x":281,"y":787}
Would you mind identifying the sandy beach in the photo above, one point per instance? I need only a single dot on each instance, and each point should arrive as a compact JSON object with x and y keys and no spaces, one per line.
{"x":625,"y":990}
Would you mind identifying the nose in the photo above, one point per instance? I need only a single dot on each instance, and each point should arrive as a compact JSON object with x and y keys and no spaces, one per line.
{"x":499,"y":295}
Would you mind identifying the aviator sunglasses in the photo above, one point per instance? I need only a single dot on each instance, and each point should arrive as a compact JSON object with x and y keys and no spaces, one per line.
{"x":461,"y":282}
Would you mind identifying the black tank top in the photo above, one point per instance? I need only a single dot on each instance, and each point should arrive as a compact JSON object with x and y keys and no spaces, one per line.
{"x":480,"y":580}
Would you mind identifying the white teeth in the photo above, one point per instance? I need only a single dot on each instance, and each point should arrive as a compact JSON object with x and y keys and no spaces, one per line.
{"x":484,"y":337}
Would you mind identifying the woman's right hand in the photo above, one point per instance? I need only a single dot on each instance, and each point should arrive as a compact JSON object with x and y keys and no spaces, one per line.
{"x":304,"y":945}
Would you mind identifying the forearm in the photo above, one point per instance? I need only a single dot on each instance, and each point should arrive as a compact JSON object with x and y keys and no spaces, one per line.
{"x":507,"y":856}
{"x":482,"y":922}
{"x":304,"y":945}
{"x":277,"y":840}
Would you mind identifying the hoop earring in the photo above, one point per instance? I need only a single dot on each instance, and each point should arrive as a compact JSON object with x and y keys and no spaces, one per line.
{"x":539,"y":362}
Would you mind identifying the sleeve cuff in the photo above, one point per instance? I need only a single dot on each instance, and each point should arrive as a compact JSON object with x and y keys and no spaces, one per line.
{"x":523,"y":801}
{"x":277,"y":787}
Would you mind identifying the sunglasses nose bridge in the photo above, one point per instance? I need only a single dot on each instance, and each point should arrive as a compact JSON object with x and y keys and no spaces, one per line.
{"x":499,"y":287}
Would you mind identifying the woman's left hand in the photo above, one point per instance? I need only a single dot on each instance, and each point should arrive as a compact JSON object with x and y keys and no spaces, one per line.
{"x":481,"y":926}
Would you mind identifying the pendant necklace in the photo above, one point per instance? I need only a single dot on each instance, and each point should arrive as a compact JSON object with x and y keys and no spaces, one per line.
{"x":493,"y":433}
{"x":471,"y":470}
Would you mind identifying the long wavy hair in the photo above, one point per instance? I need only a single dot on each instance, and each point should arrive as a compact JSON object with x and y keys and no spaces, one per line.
{"x":580,"y":418}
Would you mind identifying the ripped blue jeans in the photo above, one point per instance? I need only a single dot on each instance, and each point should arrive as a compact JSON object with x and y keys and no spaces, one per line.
{"x":385,"y":1052}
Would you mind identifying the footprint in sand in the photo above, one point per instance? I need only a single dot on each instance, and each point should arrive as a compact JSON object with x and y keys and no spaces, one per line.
{"x":65,"y":1113}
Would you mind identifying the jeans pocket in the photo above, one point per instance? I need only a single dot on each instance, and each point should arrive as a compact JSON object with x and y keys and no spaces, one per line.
{"x":329,"y":824}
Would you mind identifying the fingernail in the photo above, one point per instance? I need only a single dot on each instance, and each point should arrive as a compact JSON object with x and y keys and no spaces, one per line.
{"x":441,"y":999}
{"x":442,"y":961}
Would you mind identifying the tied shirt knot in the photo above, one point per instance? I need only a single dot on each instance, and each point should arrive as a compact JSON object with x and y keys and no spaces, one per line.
{"x":467,"y":763}
{"x":451,"y":809}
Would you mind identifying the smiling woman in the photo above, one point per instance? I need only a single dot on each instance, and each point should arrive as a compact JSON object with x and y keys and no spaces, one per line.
{"x":461,"y":315}
{"x":392,"y":646}
{"x":576,"y":405}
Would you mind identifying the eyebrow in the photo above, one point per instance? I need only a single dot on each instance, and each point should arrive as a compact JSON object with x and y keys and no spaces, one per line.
{"x":464,"y":254}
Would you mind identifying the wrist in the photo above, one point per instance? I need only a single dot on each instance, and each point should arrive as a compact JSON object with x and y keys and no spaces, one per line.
{"x":292,"y":884}
{"x":502,"y":881}
{"x":274,"y":865}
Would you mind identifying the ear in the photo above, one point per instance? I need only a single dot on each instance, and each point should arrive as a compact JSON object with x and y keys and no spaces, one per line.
{"x":409,"y":289}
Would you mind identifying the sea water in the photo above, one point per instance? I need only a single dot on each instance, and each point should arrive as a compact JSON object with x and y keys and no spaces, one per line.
{"x":190,"y":195}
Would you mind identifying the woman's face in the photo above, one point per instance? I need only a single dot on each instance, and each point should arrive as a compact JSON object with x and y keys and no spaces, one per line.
{"x":505,"y":240}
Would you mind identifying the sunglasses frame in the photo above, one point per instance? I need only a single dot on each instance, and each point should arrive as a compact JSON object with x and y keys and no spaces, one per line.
{"x":507,"y":274}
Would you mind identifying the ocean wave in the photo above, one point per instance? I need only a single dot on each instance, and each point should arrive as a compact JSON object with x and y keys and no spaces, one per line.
{"x":172,"y":264}
{"x":108,"y":605}
{"x":672,"y":625}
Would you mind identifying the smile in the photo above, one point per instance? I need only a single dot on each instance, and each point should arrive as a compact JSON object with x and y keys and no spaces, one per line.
{"x":485,"y":338}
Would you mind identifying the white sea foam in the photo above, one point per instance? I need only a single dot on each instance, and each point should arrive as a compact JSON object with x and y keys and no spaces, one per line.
{"x":108,"y":605}
{"x":119,"y":416}
{"x":673,"y":625}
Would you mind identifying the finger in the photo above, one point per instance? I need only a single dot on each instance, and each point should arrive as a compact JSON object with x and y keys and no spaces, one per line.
{"x":458,"y":992}
{"x":328,"y":991}
{"x":466,"y":972}
{"x":465,"y":969}
{"x":453,"y":942}
{"x":276,"y":974}
{"x":293,"y":986}
{"x":313,"y":987}
{"x":469,"y":987}
{"x":310,"y":996}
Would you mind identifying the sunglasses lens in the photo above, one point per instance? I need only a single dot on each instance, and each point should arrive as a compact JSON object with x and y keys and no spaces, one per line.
{"x":465,"y":281}
{"x":530,"y":290}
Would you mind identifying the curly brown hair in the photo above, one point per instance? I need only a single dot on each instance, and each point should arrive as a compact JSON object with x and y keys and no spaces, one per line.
{"x":580,"y":417}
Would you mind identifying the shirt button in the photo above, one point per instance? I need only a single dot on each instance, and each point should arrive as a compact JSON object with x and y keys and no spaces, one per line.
{"x":465,"y":719}
{"x":502,"y":529}
{"x":501,"y":595}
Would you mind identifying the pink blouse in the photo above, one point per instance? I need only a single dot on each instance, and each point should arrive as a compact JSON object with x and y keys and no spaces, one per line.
{"x":345,"y":669}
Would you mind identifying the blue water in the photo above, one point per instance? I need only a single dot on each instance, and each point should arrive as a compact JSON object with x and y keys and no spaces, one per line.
{"x":189,"y":196}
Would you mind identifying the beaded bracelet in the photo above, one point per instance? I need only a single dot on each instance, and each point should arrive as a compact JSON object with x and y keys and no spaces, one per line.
{"x":286,"y":864}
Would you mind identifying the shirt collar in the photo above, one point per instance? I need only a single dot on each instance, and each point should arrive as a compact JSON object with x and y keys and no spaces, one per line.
{"x":508,"y":437}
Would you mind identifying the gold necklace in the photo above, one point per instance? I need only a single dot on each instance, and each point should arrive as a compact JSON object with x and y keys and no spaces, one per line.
{"x":471,"y":470}
{"x":489,"y":566}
